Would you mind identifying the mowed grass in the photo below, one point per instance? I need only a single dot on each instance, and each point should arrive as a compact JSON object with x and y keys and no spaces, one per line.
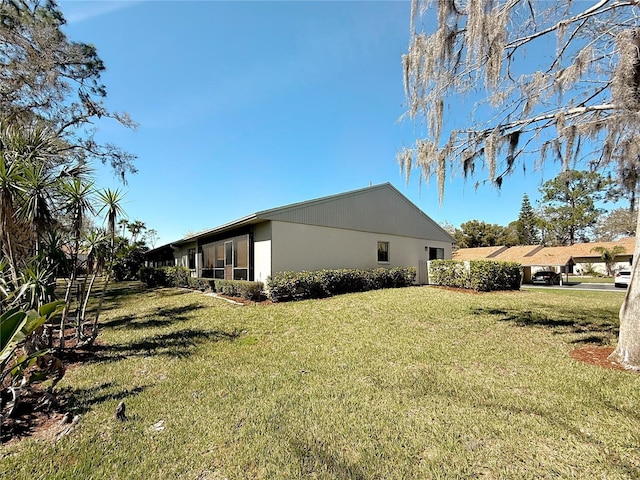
{"x":395,"y":384}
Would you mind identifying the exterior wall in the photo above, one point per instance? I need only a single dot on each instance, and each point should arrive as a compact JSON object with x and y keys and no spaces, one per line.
{"x":298,"y":247}
{"x":600,"y":266}
{"x":181,"y":254}
{"x":262,"y":252}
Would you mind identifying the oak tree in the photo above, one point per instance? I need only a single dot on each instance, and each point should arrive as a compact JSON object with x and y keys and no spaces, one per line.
{"x":541,"y":79}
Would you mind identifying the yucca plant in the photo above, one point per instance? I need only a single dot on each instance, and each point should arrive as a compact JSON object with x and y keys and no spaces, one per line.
{"x":16,"y":325}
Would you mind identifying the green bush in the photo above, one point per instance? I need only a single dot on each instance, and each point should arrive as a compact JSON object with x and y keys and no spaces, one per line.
{"x":481,"y":275}
{"x":449,"y":273}
{"x":177,"y":276}
{"x":153,"y":277}
{"x":491,"y":275}
{"x":323,"y":283}
{"x":240,"y":288}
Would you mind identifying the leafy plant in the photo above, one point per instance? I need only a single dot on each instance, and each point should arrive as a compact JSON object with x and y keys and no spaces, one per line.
{"x":16,"y":325}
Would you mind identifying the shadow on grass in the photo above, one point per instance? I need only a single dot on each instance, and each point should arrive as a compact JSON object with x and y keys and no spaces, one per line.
{"x":314,"y":457}
{"x":167,"y":316}
{"x":80,"y":400}
{"x":116,"y":292}
{"x":178,"y":344}
{"x":595,"y":325}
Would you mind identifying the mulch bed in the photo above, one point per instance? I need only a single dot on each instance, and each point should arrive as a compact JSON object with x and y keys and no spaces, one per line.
{"x":39,"y":413}
{"x":595,"y":355}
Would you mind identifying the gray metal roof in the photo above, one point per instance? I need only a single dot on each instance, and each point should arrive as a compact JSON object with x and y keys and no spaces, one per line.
{"x":377,"y":209}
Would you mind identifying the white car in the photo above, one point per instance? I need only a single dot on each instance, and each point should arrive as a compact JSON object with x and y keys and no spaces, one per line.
{"x":622,"y":278}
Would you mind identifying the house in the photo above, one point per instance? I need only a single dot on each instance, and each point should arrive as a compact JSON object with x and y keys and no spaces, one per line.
{"x":368,"y":228}
{"x":565,"y":259}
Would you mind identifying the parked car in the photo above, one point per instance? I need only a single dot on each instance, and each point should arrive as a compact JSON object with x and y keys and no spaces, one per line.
{"x":622,"y":278}
{"x":546,"y":277}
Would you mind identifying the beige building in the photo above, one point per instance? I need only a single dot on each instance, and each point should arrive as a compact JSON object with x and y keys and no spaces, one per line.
{"x":368,"y":228}
{"x":570,"y":259}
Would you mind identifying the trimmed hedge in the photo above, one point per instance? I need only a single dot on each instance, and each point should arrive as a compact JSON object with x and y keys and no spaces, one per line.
{"x":449,"y":273}
{"x":181,"y":277}
{"x":239,"y":288}
{"x":480,"y":275}
{"x":284,"y":286}
{"x":490,"y":275}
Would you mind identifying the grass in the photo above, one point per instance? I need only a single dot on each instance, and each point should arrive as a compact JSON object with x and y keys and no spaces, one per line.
{"x":395,"y":384}
{"x":585,"y":279}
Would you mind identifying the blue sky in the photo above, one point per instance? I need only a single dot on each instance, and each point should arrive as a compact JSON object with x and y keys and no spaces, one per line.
{"x":245,"y":106}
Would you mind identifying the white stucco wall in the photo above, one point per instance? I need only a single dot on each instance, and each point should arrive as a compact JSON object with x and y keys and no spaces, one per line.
{"x":299,"y":247}
{"x":262,"y":252}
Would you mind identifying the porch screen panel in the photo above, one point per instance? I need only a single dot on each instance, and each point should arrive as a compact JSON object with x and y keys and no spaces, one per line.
{"x":219,"y":255}
{"x":241,"y":258}
{"x":207,"y":261}
{"x":242,"y":252}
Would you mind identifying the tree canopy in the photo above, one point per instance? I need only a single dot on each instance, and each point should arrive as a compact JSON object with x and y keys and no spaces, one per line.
{"x":527,"y":224}
{"x":543,"y":79}
{"x":50,"y":82}
{"x":568,"y":206}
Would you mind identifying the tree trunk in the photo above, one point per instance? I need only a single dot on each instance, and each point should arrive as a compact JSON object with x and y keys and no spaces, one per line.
{"x":83,"y":312}
{"x":627,"y":352}
{"x":94,"y":329}
{"x":65,"y":311}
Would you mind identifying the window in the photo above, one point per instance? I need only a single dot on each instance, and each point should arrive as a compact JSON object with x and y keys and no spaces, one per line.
{"x":192,"y":258}
{"x":436,"y":253}
{"x":383,"y":251}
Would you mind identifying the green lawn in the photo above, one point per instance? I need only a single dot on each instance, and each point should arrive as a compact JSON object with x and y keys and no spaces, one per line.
{"x":580,"y":279}
{"x":395,"y":384}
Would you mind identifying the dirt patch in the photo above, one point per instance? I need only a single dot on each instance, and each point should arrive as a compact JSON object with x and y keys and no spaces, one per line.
{"x":595,"y":355}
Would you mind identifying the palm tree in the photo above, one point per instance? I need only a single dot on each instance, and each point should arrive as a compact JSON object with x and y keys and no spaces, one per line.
{"x":37,"y":200}
{"x":112,"y":203}
{"x":123,"y":223}
{"x":136,"y":228}
{"x":77,"y":202}
{"x":10,"y":188}
{"x":95,"y":245}
{"x":608,"y":256}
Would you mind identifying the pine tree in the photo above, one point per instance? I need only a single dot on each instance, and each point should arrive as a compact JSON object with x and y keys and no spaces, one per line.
{"x":527,"y":224}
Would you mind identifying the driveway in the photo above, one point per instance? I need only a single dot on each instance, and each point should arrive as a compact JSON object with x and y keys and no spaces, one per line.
{"x":609,"y":287}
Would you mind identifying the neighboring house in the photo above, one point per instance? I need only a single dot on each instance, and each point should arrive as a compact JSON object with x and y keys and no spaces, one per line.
{"x":367,"y":228}
{"x":568,"y":259}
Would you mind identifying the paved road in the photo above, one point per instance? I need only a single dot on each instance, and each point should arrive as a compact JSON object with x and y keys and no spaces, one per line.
{"x":582,"y":286}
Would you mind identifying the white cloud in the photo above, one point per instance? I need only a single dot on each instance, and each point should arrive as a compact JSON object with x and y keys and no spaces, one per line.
{"x":76,"y":11}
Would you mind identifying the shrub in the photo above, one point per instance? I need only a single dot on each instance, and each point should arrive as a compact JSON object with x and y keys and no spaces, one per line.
{"x":285,"y":286}
{"x":153,"y":277}
{"x":177,"y":276}
{"x":490,"y":275}
{"x":239,"y":288}
{"x":449,"y":273}
{"x":201,"y":284}
{"x":481,"y":275}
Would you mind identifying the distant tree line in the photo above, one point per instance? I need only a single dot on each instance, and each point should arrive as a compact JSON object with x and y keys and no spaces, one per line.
{"x":569,"y":211}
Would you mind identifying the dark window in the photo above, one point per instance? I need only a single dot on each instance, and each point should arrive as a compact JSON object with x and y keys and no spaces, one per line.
{"x":436,"y":253}
{"x":240,"y":274}
{"x":192,"y":258}
{"x":383,"y":251}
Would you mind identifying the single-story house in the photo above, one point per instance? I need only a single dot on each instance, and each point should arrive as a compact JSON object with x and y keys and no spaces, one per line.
{"x":565,"y":259}
{"x":367,"y":228}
